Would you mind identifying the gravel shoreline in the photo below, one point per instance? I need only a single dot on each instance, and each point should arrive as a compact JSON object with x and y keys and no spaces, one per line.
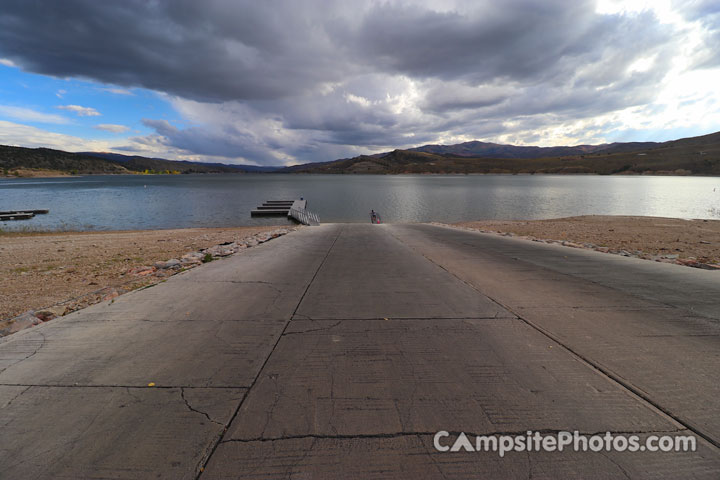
{"x":46,"y":275}
{"x":694,"y":243}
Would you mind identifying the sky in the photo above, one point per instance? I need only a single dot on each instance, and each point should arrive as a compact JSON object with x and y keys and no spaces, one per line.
{"x":288,"y":82}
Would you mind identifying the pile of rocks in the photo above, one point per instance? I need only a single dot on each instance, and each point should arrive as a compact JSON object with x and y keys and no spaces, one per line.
{"x":193,"y":259}
{"x":157,"y":271}
{"x":703,"y":263}
{"x":35,"y":317}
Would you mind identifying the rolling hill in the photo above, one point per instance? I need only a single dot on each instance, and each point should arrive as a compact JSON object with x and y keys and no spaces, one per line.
{"x":13,"y":158}
{"x":495,"y":150}
{"x":688,"y":156}
{"x":160,"y":164}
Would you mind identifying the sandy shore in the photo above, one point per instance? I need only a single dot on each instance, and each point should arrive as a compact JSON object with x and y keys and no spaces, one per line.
{"x":38,"y":270}
{"x":690,"y":242}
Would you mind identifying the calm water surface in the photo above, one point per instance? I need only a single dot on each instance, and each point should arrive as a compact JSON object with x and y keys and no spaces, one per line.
{"x":174,"y":201}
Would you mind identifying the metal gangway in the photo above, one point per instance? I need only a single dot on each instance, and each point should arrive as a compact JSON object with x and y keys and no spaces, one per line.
{"x":295,"y":209}
{"x":300,"y":213}
{"x":304,"y":216}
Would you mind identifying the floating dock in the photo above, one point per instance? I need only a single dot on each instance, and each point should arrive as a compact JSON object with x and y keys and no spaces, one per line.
{"x":20,"y":214}
{"x":295,"y":209}
{"x":274,"y":207}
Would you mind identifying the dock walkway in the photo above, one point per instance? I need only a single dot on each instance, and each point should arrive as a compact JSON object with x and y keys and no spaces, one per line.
{"x":20,"y":214}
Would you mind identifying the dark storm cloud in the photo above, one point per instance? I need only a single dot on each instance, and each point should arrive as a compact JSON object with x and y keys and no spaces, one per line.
{"x":268,"y":81}
{"x":210,"y":50}
{"x":440,"y":98}
{"x":227,"y":141}
{"x":493,"y":40}
{"x":225,"y":50}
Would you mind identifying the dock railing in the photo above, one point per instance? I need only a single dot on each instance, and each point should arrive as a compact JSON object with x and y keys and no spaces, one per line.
{"x":304,"y":216}
{"x":295,"y":209}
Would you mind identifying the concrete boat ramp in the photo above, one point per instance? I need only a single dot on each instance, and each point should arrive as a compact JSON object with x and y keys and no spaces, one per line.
{"x":339,"y":351}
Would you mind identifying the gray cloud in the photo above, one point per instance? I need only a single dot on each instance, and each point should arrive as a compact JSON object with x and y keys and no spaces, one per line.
{"x":213,"y":50}
{"x":112,"y":128}
{"x":707,"y":14}
{"x":80,"y":111}
{"x":309,"y":80}
{"x":444,"y":97}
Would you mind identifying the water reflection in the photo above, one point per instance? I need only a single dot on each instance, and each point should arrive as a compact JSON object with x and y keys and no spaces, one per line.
{"x":129,"y":202}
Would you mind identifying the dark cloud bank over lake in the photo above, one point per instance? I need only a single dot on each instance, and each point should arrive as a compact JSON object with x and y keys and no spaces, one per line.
{"x":310,"y":81}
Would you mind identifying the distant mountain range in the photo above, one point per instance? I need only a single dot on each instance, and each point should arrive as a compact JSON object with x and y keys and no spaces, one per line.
{"x":496,"y":150}
{"x":687,"y":156}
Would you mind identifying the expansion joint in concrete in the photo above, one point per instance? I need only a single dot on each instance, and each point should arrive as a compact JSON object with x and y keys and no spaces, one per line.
{"x":517,"y":433}
{"x":140,"y":387}
{"x":211,"y":451}
{"x":625,"y":384}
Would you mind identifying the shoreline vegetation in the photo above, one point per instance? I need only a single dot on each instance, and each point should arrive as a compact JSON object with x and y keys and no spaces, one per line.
{"x":47,"y":173}
{"x":44,"y":275}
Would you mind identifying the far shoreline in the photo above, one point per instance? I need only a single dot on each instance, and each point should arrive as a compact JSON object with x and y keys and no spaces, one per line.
{"x":33,"y":173}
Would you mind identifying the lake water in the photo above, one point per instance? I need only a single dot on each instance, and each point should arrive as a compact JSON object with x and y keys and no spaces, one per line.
{"x":174,"y":201}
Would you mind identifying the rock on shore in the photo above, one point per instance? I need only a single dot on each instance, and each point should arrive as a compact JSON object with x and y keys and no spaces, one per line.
{"x":156,"y":272}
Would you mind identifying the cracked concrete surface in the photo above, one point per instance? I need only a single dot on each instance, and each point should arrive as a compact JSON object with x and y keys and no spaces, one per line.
{"x":617,"y":316}
{"x":74,"y":394}
{"x":21,"y":351}
{"x":338,"y":352}
{"x":413,"y":456}
{"x":427,"y":376}
{"x":109,"y":431}
{"x":186,"y":393}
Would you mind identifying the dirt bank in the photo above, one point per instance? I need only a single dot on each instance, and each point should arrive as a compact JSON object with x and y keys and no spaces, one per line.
{"x":655,"y":238}
{"x":38,"y":270}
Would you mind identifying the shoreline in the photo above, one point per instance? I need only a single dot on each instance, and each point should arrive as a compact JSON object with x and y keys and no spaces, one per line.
{"x":44,"y":275}
{"x":38,"y":232}
{"x":27,"y":173}
{"x":689,"y":242}
{"x":41,"y":270}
